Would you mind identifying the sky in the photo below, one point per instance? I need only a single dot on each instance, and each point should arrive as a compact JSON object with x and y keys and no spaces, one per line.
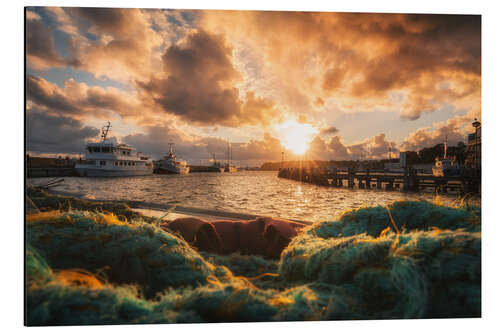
{"x":316,"y":85}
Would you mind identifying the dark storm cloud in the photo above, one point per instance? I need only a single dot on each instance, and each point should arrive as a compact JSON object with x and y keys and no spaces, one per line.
{"x":105,"y":20}
{"x":424,"y":50}
{"x":56,"y":134}
{"x":79,"y":100}
{"x":199,"y":85}
{"x":40,"y":42}
{"x":42,"y":93}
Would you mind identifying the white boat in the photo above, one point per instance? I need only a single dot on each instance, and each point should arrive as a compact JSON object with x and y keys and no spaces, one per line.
{"x":170,"y":165}
{"x":445,"y":167}
{"x":106,"y":159}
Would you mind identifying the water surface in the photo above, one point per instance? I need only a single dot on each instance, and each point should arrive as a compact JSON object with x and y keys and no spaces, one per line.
{"x":253,"y":192}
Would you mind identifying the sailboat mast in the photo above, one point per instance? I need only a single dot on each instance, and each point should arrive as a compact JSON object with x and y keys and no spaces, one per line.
{"x":445,"y":145}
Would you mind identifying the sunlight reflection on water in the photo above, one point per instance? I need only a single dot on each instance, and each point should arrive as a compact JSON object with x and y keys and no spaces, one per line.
{"x":257,"y":192}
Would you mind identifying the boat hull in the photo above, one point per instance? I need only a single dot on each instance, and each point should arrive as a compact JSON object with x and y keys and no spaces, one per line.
{"x":213,"y":169}
{"x":85,"y":171}
{"x":172,"y":171}
{"x":440,"y":172}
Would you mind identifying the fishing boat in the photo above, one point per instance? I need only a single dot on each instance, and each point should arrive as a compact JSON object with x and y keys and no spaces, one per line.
{"x":107,"y":159}
{"x":170,"y":165}
{"x":445,"y":166}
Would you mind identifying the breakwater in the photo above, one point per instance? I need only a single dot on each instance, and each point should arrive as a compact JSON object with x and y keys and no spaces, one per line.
{"x":409,"y":180}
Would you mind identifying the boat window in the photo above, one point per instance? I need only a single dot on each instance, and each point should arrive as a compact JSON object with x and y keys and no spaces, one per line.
{"x":116,"y":163}
{"x":102,"y":162}
{"x":105,"y":149}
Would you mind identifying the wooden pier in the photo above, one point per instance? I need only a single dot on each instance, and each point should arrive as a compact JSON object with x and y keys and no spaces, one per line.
{"x":410,"y":180}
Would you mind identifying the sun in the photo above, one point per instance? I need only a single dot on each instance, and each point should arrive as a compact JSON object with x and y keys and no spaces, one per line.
{"x":295,"y":136}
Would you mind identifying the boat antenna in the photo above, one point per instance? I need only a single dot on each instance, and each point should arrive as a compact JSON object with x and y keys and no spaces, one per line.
{"x":227,"y":151}
{"x":105,"y":130}
{"x":170,"y":144}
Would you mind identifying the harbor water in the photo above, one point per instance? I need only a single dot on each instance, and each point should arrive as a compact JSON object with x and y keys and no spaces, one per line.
{"x":252,"y":192}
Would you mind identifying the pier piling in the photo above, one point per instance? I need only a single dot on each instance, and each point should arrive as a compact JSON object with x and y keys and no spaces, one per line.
{"x":410,"y":180}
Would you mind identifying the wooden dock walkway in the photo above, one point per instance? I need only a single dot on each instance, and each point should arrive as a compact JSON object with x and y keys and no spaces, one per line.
{"x":410,"y":180}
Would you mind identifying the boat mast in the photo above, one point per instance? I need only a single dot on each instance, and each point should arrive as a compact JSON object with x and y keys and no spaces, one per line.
{"x":105,"y":130}
{"x":445,"y":146}
{"x":170,"y":144}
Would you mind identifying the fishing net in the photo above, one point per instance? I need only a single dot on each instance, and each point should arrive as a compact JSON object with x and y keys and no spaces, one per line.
{"x":395,"y":274}
{"x":415,"y":260}
{"x":132,"y":253}
{"x":46,"y":202}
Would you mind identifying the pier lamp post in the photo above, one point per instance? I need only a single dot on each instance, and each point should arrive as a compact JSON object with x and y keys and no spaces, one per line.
{"x":476,"y":124}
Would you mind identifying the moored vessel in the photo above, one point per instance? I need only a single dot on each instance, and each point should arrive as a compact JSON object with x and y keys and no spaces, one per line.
{"x":216,"y":166}
{"x":229,"y":167}
{"x":170,"y":165}
{"x":445,"y":166}
{"x":107,"y":159}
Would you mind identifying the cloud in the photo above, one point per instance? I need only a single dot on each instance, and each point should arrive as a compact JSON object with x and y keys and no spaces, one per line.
{"x":78,"y":100}
{"x":359,"y":59}
{"x":454,"y":129}
{"x":328,"y":130}
{"x":333,"y":79}
{"x":198,"y":85}
{"x":40,"y":46}
{"x":56,"y":134}
{"x":250,"y":69}
{"x":117,"y":43}
{"x":30,"y":15}
{"x":376,"y":147}
{"x":197,"y":148}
